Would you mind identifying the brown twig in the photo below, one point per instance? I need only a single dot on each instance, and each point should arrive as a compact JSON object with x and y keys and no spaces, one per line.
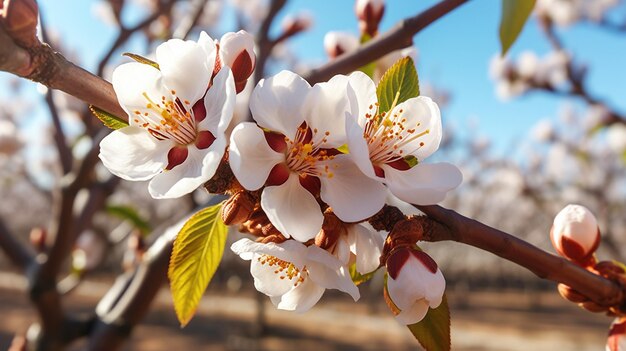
{"x":263,"y":41}
{"x":15,"y":251}
{"x":398,"y":38}
{"x":453,"y":226}
{"x":189,"y":22}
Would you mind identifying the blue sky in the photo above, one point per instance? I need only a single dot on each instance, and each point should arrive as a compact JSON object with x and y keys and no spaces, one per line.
{"x":454,"y":54}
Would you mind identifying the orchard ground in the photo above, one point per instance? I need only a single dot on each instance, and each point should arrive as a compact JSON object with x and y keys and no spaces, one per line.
{"x":505,"y":320}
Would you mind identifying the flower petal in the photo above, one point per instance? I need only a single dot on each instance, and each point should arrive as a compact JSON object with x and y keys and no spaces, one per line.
{"x":177,"y":58}
{"x":322,"y":272}
{"x":276,"y":102}
{"x":266,"y":278}
{"x":422,"y":114}
{"x":352,"y":195}
{"x":325,"y":108}
{"x":301,"y":298}
{"x":367,"y":245}
{"x":424,"y":184}
{"x":358,"y":149}
{"x":219,"y":103}
{"x":250,"y":156}
{"x":131,"y":153}
{"x":292,"y":209}
{"x":362,"y":95}
{"x":198,"y":167}
{"x":131,"y":81}
{"x":413,"y":314}
{"x":290,"y":250}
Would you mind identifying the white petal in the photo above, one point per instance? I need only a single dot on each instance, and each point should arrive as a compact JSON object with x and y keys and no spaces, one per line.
{"x":413,"y":314}
{"x":367,"y":246}
{"x":232,"y":44}
{"x":186,"y":66}
{"x":342,"y":250}
{"x":415,"y":282}
{"x":333,"y":279}
{"x":422,"y":114}
{"x":267,"y":281}
{"x":359,"y":151}
{"x":352,"y":195}
{"x":325,"y":107}
{"x":292,"y":209}
{"x":198,"y":167}
{"x":290,"y":250}
{"x":362,"y":95}
{"x":132,"y":80}
{"x":219,"y":103}
{"x":300,"y":299}
{"x":250,"y":157}
{"x":276,"y":102}
{"x":424,"y":184}
{"x":131,"y":153}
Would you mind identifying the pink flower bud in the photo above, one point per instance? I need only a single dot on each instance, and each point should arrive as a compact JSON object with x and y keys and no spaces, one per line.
{"x":617,"y":336}
{"x":236,"y":50}
{"x":338,"y":43}
{"x":415,"y":283}
{"x":296,"y":24}
{"x":20,"y":18}
{"x":369,"y":13}
{"x":575,"y":234}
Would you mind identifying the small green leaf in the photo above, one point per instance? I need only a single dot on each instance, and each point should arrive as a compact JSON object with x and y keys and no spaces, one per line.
{"x":514,"y":16}
{"x":398,"y":84}
{"x":359,"y":278}
{"x":141,"y":59}
{"x":343,"y":149}
{"x":411,"y":160}
{"x":197,"y":252}
{"x":130,"y":214}
{"x":619,"y":264}
{"x":433,"y":332}
{"x":108,"y":119}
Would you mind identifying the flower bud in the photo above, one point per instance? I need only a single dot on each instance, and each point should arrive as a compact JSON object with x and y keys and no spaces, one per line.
{"x":20,"y":18}
{"x":236,"y":50}
{"x":295,"y":24}
{"x":415,"y":283}
{"x":575,"y":234}
{"x":38,"y":239}
{"x":238,"y":208}
{"x":369,"y":13}
{"x":338,"y":43}
{"x":617,"y":336}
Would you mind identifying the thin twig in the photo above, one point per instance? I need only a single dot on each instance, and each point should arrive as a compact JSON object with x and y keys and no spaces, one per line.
{"x":191,"y":20}
{"x":15,"y":251}
{"x":398,"y":38}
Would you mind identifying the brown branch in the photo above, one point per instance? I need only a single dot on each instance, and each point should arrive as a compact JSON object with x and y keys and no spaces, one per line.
{"x":263,"y":41}
{"x":65,"y":153}
{"x":398,"y":38}
{"x":191,"y":20}
{"x":450,"y":225}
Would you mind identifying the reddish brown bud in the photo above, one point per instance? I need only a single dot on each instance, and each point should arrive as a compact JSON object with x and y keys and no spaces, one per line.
{"x":20,"y":18}
{"x":275,"y":238}
{"x":369,"y":13}
{"x":238,"y":208}
{"x":332,"y":229}
{"x":570,"y":294}
{"x":38,"y":239}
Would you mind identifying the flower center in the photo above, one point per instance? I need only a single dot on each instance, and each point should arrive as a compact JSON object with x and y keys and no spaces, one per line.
{"x":305,"y":154}
{"x":171,"y":118}
{"x":387,"y":137}
{"x":284,"y":269}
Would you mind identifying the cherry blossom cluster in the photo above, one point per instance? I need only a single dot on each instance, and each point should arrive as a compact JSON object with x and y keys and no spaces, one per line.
{"x":567,"y":12}
{"x":315,"y":164}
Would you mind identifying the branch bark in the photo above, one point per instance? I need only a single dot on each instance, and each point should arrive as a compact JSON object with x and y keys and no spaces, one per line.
{"x":398,"y":38}
{"x":450,"y":225}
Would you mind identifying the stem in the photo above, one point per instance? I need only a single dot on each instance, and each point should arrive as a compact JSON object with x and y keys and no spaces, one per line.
{"x":401,"y":36}
{"x":450,"y":225}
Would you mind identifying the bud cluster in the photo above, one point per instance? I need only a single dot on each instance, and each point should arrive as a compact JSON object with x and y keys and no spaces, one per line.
{"x":19,"y":18}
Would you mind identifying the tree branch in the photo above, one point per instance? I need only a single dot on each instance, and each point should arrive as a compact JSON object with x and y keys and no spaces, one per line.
{"x":450,"y":225}
{"x":398,"y":38}
{"x":15,"y":251}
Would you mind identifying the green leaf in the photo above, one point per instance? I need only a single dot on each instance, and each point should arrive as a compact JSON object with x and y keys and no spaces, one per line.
{"x":108,"y":119}
{"x":343,"y":149}
{"x":359,"y":278}
{"x":141,"y":59}
{"x":370,"y":67}
{"x":398,"y":84}
{"x":514,"y":16}
{"x":197,"y":252}
{"x":411,"y":160}
{"x":433,"y":332}
{"x":130,"y":214}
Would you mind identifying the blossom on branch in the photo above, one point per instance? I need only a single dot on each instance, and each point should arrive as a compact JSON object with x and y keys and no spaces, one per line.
{"x":293,"y":151}
{"x":391,"y":146}
{"x":176,"y":132}
{"x":575,"y":233}
{"x":236,"y":50}
{"x":414,"y":285}
{"x":293,"y":275}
